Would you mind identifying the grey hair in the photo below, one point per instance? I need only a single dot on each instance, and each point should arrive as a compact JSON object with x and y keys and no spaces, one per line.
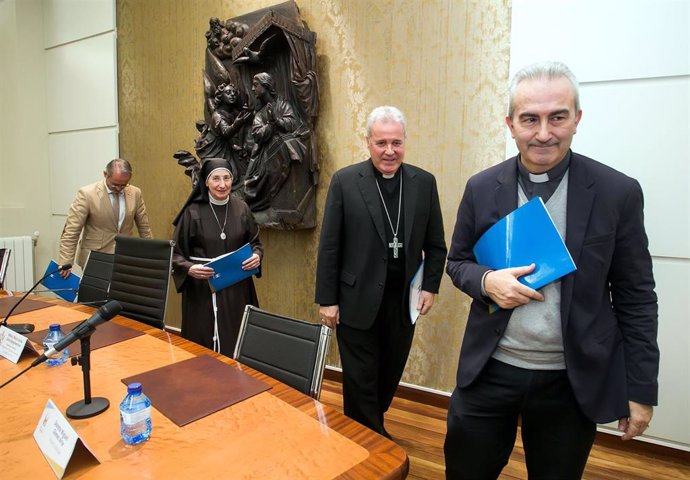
{"x":542,"y":70}
{"x":386,"y":113}
{"x":121,"y":164}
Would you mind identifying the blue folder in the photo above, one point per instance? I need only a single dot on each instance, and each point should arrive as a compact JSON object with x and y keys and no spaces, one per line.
{"x":66,"y":288}
{"x":525,"y":236}
{"x":228,"y":268}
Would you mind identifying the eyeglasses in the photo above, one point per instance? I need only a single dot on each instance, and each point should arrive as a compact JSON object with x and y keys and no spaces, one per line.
{"x":119,"y":186}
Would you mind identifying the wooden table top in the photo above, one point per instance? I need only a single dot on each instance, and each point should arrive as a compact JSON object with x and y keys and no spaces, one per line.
{"x":280,"y":433}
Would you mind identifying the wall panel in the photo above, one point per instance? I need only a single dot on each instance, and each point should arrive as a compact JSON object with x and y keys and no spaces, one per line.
{"x":77,"y":159}
{"x":69,"y":20}
{"x":82,"y":84}
{"x":604,"y":39}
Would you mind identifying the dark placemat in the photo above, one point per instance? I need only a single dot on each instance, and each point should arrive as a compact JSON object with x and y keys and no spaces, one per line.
{"x":106,"y":334}
{"x":192,"y":389}
{"x":27,"y":305}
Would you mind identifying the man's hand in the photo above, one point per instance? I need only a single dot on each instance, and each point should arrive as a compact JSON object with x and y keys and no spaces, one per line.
{"x":504,"y":289}
{"x":330,"y":315}
{"x":65,"y":273}
{"x":637,"y":422}
{"x":425,"y":302}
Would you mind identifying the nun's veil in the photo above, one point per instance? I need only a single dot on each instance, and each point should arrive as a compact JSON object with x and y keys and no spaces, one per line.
{"x":200,"y":192}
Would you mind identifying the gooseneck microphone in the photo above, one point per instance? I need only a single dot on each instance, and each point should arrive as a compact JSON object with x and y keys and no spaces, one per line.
{"x":85,"y":328}
{"x":28,"y":327}
{"x":85,"y":408}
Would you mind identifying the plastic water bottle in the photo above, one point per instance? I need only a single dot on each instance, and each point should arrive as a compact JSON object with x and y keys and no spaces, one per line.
{"x":135,"y":415}
{"x":55,"y":335}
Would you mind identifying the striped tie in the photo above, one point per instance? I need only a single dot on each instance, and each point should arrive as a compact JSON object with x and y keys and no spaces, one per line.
{"x":116,"y":209}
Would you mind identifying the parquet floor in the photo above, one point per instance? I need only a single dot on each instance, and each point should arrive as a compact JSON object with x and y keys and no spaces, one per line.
{"x":420,"y":430}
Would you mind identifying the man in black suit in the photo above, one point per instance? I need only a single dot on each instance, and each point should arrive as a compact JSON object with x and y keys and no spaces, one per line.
{"x":380,"y":217}
{"x":582,"y":350}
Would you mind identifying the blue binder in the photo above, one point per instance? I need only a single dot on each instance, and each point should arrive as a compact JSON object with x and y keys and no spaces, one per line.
{"x":228,"y":268}
{"x":66,"y":288}
{"x":525,"y":236}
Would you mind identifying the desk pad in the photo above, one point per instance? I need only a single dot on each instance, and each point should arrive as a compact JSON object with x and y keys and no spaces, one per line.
{"x":105,"y":334}
{"x":6,"y":304}
{"x":192,"y":389}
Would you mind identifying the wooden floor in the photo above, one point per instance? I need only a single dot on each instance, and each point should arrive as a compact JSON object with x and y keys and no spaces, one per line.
{"x":420,"y":430}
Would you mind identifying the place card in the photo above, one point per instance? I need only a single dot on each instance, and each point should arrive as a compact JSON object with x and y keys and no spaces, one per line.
{"x":12,"y":344}
{"x":59,"y":442}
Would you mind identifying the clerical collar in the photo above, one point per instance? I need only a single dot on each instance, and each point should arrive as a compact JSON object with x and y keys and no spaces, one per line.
{"x":555,"y":174}
{"x":385,"y":177}
{"x":218,"y":202}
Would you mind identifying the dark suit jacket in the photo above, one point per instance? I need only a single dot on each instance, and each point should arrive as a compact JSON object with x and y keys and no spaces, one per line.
{"x":608,"y":305}
{"x":352,"y":257}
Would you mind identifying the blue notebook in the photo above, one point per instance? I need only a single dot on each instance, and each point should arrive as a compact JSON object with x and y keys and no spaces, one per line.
{"x":525,"y":236}
{"x":228,"y":268}
{"x":66,"y":288}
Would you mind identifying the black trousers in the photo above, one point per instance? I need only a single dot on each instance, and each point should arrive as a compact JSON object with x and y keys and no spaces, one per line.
{"x":483,"y":420}
{"x":373,"y":362}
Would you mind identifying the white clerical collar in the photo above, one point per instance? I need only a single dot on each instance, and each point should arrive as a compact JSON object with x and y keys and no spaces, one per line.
{"x":539,"y":177}
{"x":388,"y":176}
{"x":218,"y":202}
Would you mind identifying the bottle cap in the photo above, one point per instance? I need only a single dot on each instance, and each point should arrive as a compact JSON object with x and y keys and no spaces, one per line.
{"x":134,"y":387}
{"x":54,"y":327}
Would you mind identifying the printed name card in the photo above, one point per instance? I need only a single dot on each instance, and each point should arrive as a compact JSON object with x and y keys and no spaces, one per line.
{"x":58,"y":441}
{"x":12,"y":344}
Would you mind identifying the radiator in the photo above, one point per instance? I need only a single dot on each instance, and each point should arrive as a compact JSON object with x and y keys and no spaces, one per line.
{"x":20,"y":268}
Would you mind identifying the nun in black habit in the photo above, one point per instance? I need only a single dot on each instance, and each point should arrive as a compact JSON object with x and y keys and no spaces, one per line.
{"x":212,"y":223}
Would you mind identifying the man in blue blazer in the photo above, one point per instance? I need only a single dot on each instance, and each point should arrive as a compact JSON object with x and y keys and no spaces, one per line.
{"x":582,"y":350}
{"x":381,"y":216}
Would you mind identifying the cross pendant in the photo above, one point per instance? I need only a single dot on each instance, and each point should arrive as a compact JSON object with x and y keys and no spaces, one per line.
{"x":395,"y":245}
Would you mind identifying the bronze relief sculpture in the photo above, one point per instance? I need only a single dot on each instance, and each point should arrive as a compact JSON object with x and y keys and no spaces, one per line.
{"x":260,"y":106}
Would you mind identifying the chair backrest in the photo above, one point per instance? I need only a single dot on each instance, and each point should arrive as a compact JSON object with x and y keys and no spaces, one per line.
{"x":95,"y":280}
{"x":289,"y":350}
{"x":141,"y":275}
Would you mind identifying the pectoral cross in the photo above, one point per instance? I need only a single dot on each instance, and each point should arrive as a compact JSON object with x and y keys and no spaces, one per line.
{"x":395,"y":245}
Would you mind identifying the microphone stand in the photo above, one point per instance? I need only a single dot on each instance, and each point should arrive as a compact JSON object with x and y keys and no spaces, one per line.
{"x":89,"y":407}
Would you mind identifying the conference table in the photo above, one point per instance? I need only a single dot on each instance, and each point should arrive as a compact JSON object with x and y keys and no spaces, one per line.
{"x":278,"y":433}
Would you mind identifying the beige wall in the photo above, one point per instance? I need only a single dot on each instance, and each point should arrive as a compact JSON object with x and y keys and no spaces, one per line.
{"x":444,"y":63}
{"x":24,"y":190}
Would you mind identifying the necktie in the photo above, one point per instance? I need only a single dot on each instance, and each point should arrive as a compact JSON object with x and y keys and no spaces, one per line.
{"x":116,"y":209}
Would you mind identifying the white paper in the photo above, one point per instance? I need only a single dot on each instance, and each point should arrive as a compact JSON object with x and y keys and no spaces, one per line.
{"x":56,"y":438}
{"x":415,"y":292}
{"x":11,"y":344}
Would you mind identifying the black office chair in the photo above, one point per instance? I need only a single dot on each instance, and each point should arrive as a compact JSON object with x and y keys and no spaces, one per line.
{"x":95,"y":280}
{"x":141,"y":275}
{"x":289,"y":350}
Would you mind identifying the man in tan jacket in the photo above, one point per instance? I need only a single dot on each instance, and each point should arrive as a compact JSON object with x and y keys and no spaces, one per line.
{"x":101,"y":211}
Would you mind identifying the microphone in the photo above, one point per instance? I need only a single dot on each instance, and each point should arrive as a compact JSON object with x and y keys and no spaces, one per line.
{"x":84,"y":329}
{"x":51,"y":290}
{"x":28,"y":327}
